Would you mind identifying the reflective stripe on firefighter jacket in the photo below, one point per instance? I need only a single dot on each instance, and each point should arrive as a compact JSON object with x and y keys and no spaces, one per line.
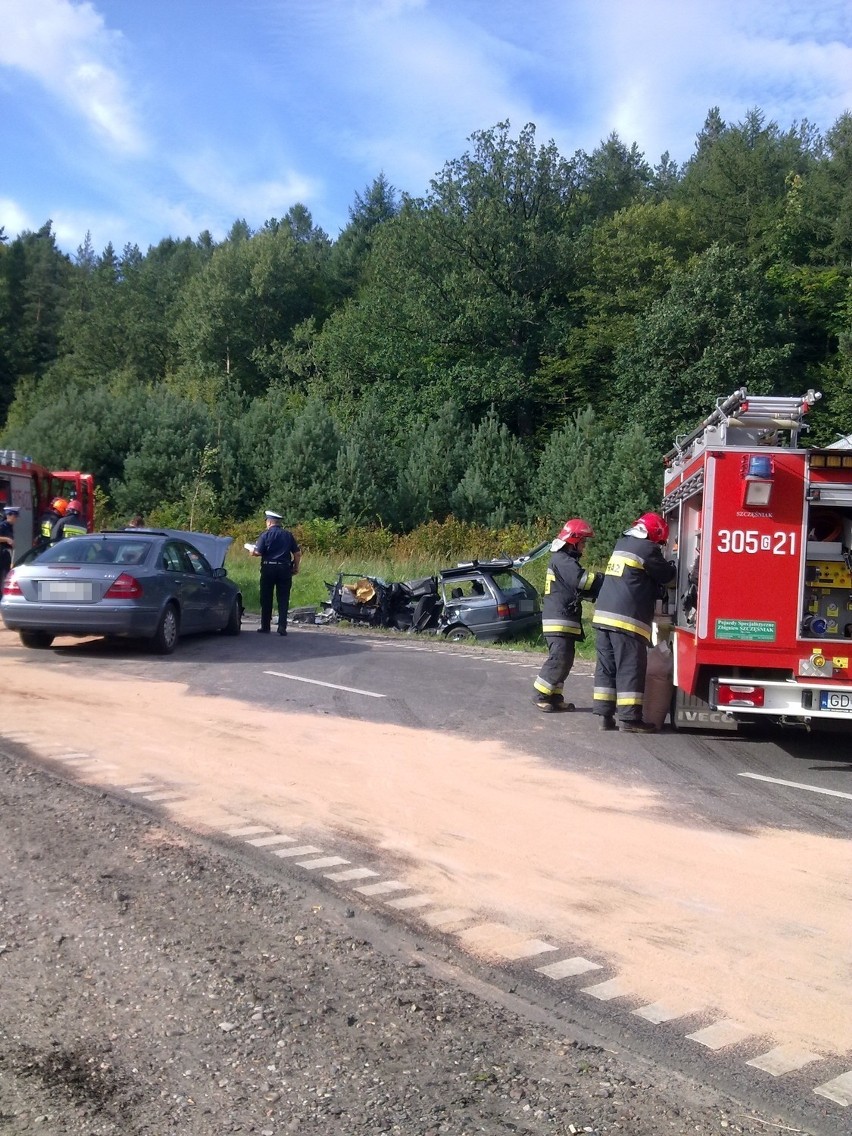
{"x":565,"y":586}
{"x":69,"y":526}
{"x":48,"y":520}
{"x":635,"y":572}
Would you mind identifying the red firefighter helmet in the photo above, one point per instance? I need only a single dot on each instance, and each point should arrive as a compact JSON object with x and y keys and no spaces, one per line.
{"x":656,"y":528}
{"x":59,"y":505}
{"x":74,"y":506}
{"x":574,"y":530}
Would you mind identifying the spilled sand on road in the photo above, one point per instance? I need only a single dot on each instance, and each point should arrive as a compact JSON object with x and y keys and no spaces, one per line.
{"x":753,"y":927}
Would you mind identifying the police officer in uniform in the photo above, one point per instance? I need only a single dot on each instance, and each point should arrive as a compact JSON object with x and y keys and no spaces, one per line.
{"x":634,"y":575}
{"x":7,"y":540}
{"x":72,"y":524}
{"x":280,"y":557}
{"x":566,"y":584}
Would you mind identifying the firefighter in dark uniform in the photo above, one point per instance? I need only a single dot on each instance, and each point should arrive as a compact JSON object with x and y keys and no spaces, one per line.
{"x":7,"y":540}
{"x":72,"y":524}
{"x":48,"y":521}
{"x":636,"y":572}
{"x":280,"y":556}
{"x":567,"y":583}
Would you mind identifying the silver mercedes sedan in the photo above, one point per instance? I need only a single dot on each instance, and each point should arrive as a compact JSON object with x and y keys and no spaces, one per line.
{"x":153,"y":584}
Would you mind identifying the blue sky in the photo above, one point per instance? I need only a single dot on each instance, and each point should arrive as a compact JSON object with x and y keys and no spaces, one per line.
{"x":141,"y":119}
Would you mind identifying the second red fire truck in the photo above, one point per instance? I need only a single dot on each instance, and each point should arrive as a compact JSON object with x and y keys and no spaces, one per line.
{"x":31,"y":488}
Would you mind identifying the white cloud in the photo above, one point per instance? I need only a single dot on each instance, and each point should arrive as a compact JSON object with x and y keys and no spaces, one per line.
{"x":14,"y":218}
{"x":225,"y":191}
{"x":67,"y":48}
{"x":667,"y":63}
{"x":410,"y":80}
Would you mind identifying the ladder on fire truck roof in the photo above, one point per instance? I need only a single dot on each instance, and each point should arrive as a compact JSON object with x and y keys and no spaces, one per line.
{"x":15,"y":459}
{"x":750,"y":419}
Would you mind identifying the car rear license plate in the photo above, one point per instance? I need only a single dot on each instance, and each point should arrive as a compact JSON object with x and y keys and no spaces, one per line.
{"x":837,"y":700}
{"x":525,"y":607}
{"x":65,"y":591}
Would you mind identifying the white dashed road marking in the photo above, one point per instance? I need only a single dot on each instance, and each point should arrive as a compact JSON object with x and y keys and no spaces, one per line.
{"x":382,"y":888}
{"x":568,"y":968}
{"x":410,"y":902}
{"x":797,"y":785}
{"x":329,"y":685}
{"x":839,"y":1090}
{"x":267,"y":841}
{"x":324,"y":862}
{"x":504,"y":942}
{"x":605,"y":991}
{"x":658,"y":1012}
{"x":290,"y":853}
{"x":351,"y":874}
{"x":248,"y":830}
{"x":720,"y":1034}
{"x":783,"y":1059}
{"x":528,"y":949}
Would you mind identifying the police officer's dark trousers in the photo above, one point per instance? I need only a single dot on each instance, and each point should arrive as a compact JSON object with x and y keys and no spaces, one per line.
{"x":276,"y":579}
{"x":622,"y":661}
{"x":557,"y":665}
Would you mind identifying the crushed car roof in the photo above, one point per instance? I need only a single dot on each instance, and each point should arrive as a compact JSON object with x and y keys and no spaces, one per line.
{"x":500,"y":564}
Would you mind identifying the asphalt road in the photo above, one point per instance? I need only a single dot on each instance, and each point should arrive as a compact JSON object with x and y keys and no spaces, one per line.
{"x":785,"y":778}
{"x":768,"y":801}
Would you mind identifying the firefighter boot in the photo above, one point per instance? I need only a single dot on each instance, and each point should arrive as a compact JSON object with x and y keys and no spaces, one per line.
{"x":638,"y":727}
{"x":552,"y":703}
{"x":608,"y":722}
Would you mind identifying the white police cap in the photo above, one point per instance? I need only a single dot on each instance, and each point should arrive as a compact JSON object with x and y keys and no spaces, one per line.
{"x":273,"y":516}
{"x":11,"y":510}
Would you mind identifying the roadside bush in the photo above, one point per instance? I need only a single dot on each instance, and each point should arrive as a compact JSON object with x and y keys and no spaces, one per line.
{"x":451,"y":540}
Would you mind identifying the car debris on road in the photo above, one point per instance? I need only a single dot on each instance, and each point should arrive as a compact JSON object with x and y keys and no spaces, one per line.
{"x":486,"y":600}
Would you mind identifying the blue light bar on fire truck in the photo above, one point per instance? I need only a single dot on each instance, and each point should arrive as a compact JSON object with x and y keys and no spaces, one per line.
{"x":758,"y":472}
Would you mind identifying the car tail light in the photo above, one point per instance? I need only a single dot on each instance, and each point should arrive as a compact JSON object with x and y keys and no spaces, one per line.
{"x":504,"y":611}
{"x":125,"y":587}
{"x":739,"y":694}
{"x":11,"y":587}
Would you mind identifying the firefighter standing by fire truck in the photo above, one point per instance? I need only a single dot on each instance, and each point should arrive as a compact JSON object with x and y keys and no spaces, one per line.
{"x":634,"y":575}
{"x":47,"y":521}
{"x":72,"y":524}
{"x":566,"y":584}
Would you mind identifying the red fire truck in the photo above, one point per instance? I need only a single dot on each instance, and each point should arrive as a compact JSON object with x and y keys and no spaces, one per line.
{"x":31,"y":488}
{"x":760,"y":614}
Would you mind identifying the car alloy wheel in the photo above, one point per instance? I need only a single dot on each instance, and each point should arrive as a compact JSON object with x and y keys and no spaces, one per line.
{"x":459,"y":634}
{"x":166,"y":636}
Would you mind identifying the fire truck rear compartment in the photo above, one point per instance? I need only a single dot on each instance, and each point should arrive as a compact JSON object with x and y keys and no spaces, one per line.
{"x":827,"y":594}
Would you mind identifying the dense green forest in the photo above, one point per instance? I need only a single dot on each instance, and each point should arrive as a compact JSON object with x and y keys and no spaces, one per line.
{"x":522,"y":343}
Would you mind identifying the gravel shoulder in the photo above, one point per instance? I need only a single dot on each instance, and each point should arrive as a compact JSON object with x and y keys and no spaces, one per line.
{"x":151,"y":984}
